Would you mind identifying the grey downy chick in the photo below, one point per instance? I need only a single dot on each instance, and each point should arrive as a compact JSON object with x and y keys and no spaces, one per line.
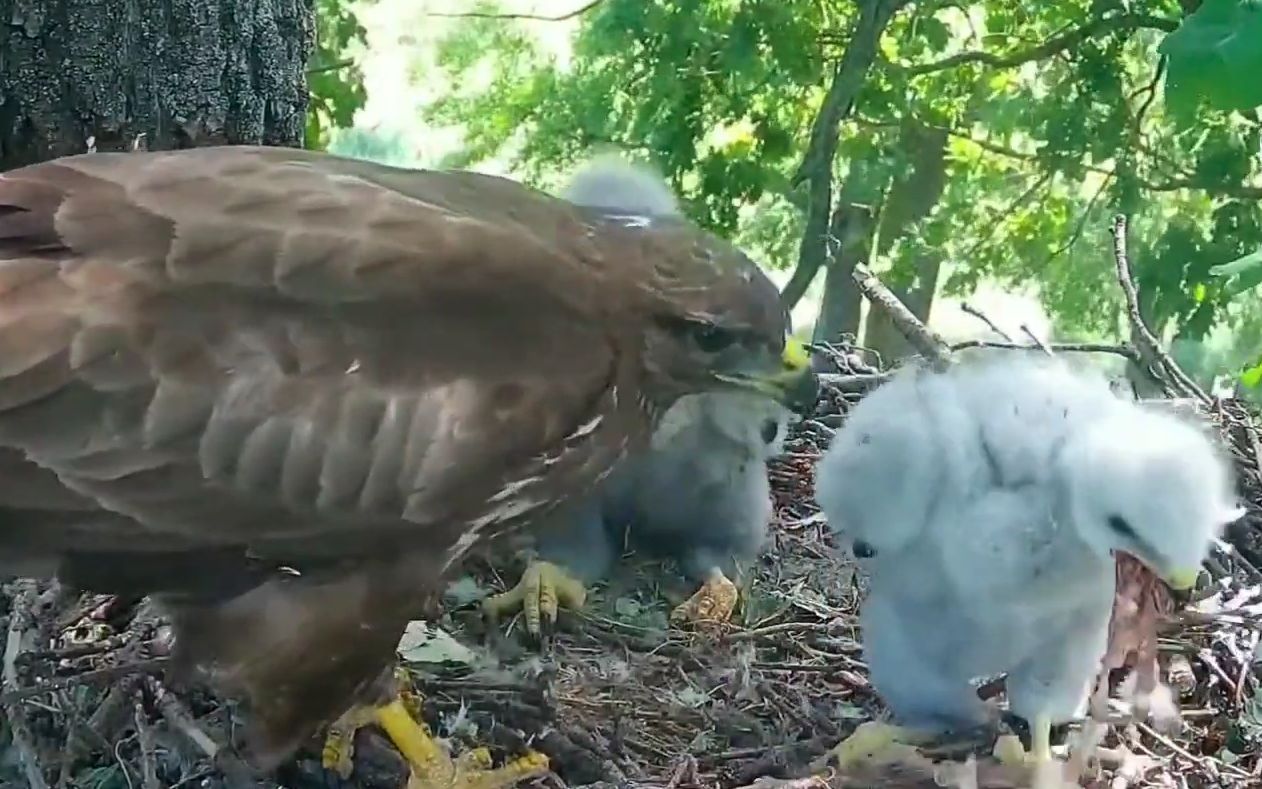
{"x":699,"y":494}
{"x":989,"y":500}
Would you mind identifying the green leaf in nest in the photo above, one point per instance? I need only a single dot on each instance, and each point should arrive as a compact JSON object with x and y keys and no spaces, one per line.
{"x":1251,"y":378}
{"x":1239,"y":265}
{"x":1215,"y":58}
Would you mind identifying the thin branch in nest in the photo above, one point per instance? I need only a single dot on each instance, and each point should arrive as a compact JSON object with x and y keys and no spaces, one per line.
{"x":19,"y":623}
{"x":857,"y":383}
{"x":1034,"y":338}
{"x":1056,"y":347}
{"x":969,"y":309}
{"x":144,"y":736}
{"x":926,"y":341}
{"x":95,"y":675}
{"x":178,"y":716}
{"x":1150,"y":349}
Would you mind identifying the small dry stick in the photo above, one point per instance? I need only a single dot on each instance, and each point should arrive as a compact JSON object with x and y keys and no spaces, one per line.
{"x":1055,"y":347}
{"x":144,"y":735}
{"x":1153,"y":353}
{"x":1042,"y":346}
{"x":19,"y":619}
{"x":84,"y":678}
{"x":181,"y":719}
{"x":926,"y":341}
{"x":969,"y":309}
{"x":855,"y":382}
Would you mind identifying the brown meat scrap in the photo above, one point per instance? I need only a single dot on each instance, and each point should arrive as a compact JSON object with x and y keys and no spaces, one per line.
{"x":1140,"y":602}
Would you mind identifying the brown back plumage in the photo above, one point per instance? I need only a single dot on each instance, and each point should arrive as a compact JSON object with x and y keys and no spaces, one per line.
{"x":231,"y":360}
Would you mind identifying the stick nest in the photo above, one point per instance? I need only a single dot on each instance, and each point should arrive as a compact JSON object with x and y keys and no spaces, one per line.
{"x":617,"y":696}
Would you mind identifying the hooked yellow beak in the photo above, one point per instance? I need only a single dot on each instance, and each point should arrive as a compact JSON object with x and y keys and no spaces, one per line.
{"x":798,"y":383}
{"x":790,"y":379}
{"x":1183,"y":579}
{"x":795,"y":356}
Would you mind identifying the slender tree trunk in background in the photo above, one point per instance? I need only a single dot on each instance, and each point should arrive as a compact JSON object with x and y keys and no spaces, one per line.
{"x":851,"y":229}
{"x":911,"y":199}
{"x":816,"y":169}
{"x":182,"y":73}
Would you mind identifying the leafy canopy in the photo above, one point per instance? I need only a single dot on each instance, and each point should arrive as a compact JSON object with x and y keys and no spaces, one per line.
{"x":335,"y":83}
{"x":1051,"y":118}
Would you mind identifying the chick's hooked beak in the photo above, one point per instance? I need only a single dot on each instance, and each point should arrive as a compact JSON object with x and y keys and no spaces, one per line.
{"x":1182,"y":579}
{"x":790,"y":379}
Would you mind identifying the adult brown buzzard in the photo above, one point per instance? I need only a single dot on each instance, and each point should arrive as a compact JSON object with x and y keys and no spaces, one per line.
{"x":284,"y":392}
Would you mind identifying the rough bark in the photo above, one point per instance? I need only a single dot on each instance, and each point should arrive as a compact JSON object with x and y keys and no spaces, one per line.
{"x":851,"y":234}
{"x":910,"y":200}
{"x":171,"y":73}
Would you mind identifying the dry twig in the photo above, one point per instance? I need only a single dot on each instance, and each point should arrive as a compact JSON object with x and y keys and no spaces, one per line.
{"x":926,"y":341}
{"x":1150,"y":348}
{"x":969,"y":309}
{"x":20,"y":625}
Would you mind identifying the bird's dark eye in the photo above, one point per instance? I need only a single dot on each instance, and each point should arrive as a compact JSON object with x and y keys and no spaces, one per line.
{"x":1119,"y":524}
{"x":712,"y":339}
{"x":770,"y":429}
{"x":863,"y":550}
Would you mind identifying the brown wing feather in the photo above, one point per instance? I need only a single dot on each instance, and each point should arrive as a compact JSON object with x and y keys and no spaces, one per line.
{"x":262,"y":345}
{"x":226,"y":359}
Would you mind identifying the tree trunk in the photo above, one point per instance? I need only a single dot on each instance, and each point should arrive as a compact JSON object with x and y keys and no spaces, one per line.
{"x":851,"y":232}
{"x":816,"y":168}
{"x":160,"y":74}
{"x":910,"y":200}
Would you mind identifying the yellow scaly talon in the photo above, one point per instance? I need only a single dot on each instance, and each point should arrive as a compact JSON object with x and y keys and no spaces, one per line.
{"x":430,"y":765}
{"x":1041,"y":739}
{"x":338,"y":754}
{"x":1009,"y":750}
{"x":542,"y":589}
{"x":713,"y":603}
{"x":875,"y":743}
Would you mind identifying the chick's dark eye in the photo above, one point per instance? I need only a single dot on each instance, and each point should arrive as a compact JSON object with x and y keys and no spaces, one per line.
{"x":770,"y":429}
{"x":1119,"y":524}
{"x":712,"y":339}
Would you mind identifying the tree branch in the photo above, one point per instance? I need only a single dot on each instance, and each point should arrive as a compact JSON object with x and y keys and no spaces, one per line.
{"x":1054,"y":45}
{"x":534,"y":17}
{"x":1238,"y":191}
{"x":339,"y":65}
{"x":816,"y":168}
{"x":1149,"y":348}
{"x":848,"y":78}
{"x":1194,"y":183}
{"x":19,"y":633}
{"x":926,"y":341}
{"x":1124,"y":351}
{"x":969,"y":309}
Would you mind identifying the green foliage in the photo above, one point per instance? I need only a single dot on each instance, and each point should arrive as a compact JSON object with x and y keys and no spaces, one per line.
{"x":715,"y":93}
{"x":334,"y":81}
{"x":1041,"y":151}
{"x":1252,"y":377}
{"x":1216,"y":58}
